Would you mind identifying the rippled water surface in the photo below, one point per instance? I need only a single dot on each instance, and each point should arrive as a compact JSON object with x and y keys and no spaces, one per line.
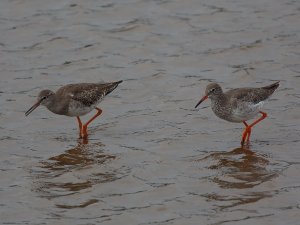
{"x":151,"y":158}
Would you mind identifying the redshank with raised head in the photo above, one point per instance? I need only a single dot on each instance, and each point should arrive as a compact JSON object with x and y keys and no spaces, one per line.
{"x":239,"y":105}
{"x":75,"y":100}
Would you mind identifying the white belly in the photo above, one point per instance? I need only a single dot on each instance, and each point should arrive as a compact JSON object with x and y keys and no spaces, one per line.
{"x":77,"y":109}
{"x":245,"y":111}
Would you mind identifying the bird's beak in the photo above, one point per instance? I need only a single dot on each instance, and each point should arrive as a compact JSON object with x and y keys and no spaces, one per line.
{"x":33,"y":107}
{"x":201,"y":100}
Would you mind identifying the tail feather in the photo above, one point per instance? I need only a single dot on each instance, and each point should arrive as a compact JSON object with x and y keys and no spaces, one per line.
{"x":269,"y":90}
{"x":272,"y":86}
{"x":112,"y":86}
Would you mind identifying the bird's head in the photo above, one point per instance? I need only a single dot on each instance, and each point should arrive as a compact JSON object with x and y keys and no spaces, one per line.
{"x":212,"y":91}
{"x":44,"y":98}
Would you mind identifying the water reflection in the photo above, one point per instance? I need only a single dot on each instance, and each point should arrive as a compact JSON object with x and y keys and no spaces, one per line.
{"x":75,"y":170}
{"x":240,"y":168}
{"x":239,"y":171}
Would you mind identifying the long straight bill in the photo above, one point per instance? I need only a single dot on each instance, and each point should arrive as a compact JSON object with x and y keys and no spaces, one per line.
{"x":201,"y":100}
{"x":32,"y":108}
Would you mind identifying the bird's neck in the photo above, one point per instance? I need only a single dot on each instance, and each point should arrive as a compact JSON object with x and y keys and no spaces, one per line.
{"x":219,"y":99}
{"x":219,"y":102}
{"x":53,"y":105}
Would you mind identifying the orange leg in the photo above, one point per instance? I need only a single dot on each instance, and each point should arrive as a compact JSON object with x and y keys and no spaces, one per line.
{"x":264,"y":115}
{"x":84,"y":127}
{"x":247,"y":132}
{"x":80,"y":126}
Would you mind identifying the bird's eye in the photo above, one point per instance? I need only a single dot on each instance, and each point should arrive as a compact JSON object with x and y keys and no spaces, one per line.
{"x":212,"y":90}
{"x":44,"y":97}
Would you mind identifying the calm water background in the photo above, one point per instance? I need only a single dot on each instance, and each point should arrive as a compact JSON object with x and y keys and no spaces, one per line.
{"x":151,"y":157}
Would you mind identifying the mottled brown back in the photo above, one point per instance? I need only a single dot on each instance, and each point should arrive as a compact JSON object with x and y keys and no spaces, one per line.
{"x":87,"y":93}
{"x":254,"y":95}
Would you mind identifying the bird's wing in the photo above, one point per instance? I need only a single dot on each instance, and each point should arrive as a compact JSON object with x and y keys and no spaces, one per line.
{"x":251,"y":95}
{"x":88,"y":95}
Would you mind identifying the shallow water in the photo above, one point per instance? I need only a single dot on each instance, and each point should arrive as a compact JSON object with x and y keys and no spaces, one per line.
{"x":151,"y":157}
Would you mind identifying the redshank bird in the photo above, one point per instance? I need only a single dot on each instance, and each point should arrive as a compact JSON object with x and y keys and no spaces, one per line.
{"x":239,"y":105}
{"x":75,"y":100}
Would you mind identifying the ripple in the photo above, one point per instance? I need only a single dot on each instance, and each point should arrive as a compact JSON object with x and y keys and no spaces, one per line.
{"x":64,"y":174}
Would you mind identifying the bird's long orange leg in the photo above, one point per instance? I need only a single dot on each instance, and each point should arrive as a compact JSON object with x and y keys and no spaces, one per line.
{"x":264,"y":115}
{"x":84,"y":127}
{"x":247,"y":132}
{"x":80,"y":126}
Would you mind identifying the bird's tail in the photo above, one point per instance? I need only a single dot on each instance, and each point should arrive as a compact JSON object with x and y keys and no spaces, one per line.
{"x":272,"y":87}
{"x":112,"y":86}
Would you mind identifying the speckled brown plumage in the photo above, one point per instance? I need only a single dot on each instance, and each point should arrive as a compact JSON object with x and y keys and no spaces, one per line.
{"x":75,"y":100}
{"x":238,"y":105}
{"x":87,"y":93}
{"x":254,"y":95}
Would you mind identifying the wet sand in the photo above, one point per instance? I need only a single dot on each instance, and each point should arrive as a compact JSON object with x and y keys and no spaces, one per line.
{"x":151,"y":158}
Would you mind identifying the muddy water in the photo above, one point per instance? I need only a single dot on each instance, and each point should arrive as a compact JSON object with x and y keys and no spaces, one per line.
{"x":151,"y":158}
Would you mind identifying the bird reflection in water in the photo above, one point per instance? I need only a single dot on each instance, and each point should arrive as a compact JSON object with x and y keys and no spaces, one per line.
{"x":243,"y":165}
{"x":75,"y":170}
{"x":240,"y":171}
